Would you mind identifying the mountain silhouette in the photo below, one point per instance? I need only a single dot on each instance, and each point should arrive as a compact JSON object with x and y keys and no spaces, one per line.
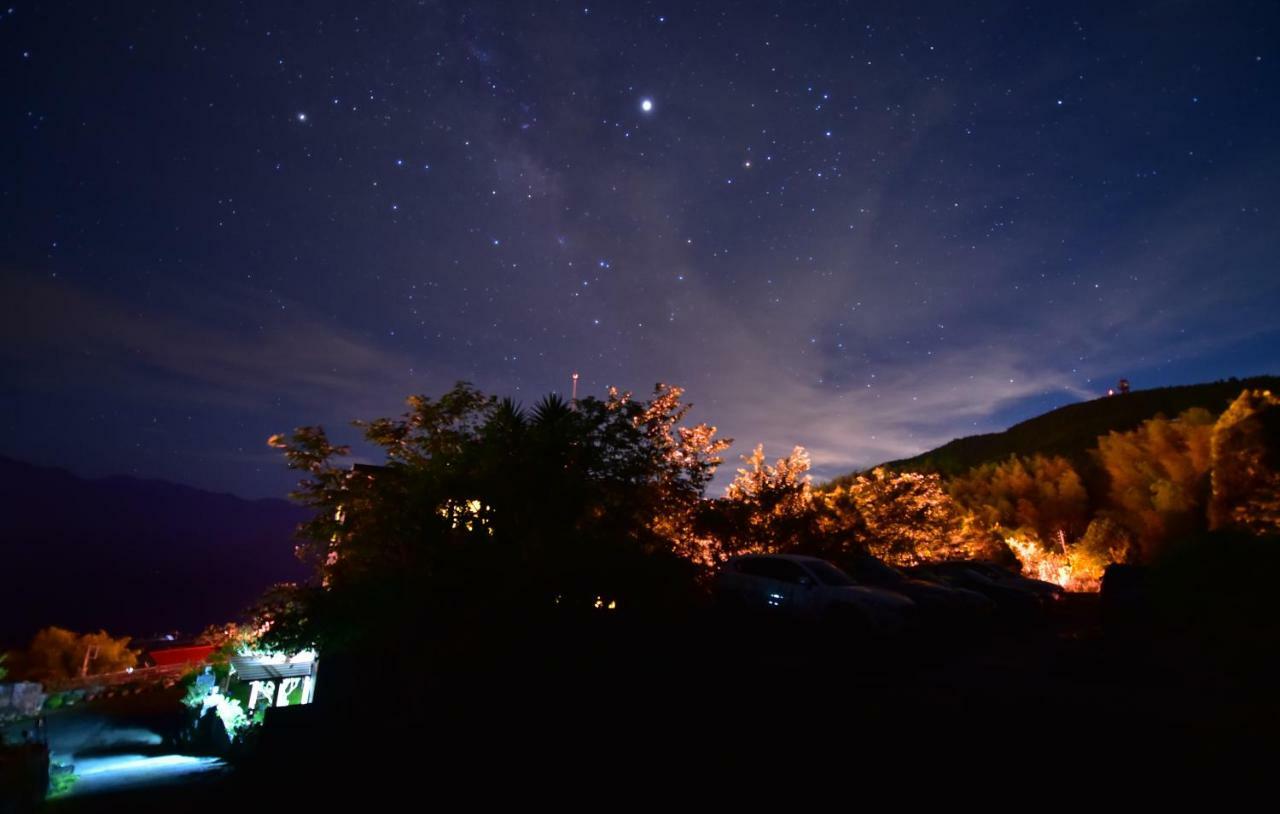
{"x":133,"y":557}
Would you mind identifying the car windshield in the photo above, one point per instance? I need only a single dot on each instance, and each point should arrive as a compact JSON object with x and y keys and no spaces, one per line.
{"x":989,"y":571}
{"x":828,"y":574}
{"x":874,"y":570}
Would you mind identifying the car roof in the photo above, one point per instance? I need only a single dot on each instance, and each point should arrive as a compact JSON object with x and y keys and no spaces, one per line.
{"x":790,"y":557}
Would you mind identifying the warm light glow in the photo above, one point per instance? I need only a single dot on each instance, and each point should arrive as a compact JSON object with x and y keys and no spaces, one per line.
{"x":1063,"y":568}
{"x":469,"y":515}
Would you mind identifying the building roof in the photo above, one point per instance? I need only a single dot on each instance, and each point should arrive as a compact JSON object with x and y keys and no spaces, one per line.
{"x":180,"y":655}
{"x":256,"y":668}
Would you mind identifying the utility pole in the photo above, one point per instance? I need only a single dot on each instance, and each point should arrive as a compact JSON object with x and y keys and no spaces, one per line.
{"x":90,"y":653}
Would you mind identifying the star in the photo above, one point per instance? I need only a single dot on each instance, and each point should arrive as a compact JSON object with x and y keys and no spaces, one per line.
{"x":646,"y":105}
{"x":302,"y":117}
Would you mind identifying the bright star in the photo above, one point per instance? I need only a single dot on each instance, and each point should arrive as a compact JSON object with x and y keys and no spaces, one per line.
{"x":302,"y":117}
{"x":646,"y":105}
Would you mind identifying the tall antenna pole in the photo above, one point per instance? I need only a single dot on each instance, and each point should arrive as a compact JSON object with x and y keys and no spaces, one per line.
{"x":574,"y":397}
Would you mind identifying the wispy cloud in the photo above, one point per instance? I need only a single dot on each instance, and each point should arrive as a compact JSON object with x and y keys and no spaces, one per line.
{"x":62,"y":336}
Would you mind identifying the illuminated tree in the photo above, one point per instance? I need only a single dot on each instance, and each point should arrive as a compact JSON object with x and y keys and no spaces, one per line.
{"x":57,"y":654}
{"x":1158,"y":477}
{"x":767,"y":508}
{"x":905,"y":519}
{"x":1040,"y":497}
{"x":1104,"y":542}
{"x":842,"y":528}
{"x":1246,"y":465}
{"x":1076,"y":566}
{"x":229,"y":639}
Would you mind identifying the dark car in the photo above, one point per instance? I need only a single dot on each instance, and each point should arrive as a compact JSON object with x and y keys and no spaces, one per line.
{"x":803,"y":587}
{"x":935,"y":599}
{"x":1048,"y":591}
{"x":1013,"y":595}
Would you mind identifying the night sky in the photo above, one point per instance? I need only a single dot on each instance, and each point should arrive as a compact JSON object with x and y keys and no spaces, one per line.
{"x":861,"y":228}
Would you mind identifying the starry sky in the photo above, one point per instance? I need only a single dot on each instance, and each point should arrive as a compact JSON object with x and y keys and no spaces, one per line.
{"x":866,"y":228}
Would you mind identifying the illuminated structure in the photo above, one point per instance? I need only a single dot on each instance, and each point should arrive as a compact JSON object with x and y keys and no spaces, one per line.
{"x":277,"y":676}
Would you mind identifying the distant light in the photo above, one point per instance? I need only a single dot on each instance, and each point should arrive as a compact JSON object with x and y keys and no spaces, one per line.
{"x":646,"y":105}
{"x":302,"y":117}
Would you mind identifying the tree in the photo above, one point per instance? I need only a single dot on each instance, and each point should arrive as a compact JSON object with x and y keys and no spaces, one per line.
{"x":1041,"y":497}
{"x":1075,"y":565}
{"x":1246,"y":465}
{"x":1158,"y":477}
{"x":1104,"y":542}
{"x":481,"y":510}
{"x":767,"y":508}
{"x":906,"y":519}
{"x":57,"y":654}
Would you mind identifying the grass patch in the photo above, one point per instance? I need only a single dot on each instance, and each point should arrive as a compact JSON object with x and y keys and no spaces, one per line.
{"x":61,"y":780}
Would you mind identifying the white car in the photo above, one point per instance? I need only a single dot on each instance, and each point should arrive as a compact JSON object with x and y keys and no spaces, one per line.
{"x":808,"y":588}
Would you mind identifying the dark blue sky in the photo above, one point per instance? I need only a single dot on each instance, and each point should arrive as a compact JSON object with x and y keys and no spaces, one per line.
{"x":862,"y":227}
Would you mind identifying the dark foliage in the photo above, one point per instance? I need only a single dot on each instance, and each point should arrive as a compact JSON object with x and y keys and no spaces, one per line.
{"x":487,"y":522}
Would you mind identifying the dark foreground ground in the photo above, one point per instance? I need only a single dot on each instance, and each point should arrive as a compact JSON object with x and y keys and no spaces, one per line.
{"x":617,"y":710}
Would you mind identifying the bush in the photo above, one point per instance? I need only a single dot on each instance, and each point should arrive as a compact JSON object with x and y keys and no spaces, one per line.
{"x":1221,"y":585}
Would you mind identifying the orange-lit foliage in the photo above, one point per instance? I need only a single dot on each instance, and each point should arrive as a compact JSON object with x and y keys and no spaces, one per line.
{"x":904,"y":519}
{"x":784,"y":489}
{"x":689,"y":457}
{"x":57,"y":655}
{"x":767,"y":508}
{"x":1246,"y":465}
{"x":1075,"y":566}
{"x":1037,"y":505}
{"x":1158,"y":477}
{"x":1157,"y":490}
{"x":1040,"y":496}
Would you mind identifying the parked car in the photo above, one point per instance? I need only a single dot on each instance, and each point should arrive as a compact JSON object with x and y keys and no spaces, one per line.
{"x":1012,"y":595}
{"x":934,"y":599}
{"x":1047,"y":591}
{"x":801,"y":587}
